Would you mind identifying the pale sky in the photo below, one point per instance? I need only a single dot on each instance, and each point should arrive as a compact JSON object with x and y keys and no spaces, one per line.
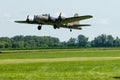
{"x":106,"y":17}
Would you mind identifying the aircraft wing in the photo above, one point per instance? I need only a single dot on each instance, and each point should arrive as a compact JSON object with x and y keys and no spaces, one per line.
{"x":25,"y":22}
{"x":73,"y":19}
{"x":21,"y":22}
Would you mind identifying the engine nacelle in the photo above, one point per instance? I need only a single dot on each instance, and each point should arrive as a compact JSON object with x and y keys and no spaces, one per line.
{"x":44,"y":17}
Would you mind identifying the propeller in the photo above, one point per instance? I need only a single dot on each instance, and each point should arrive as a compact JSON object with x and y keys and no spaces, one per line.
{"x":60,"y":14}
{"x":49,"y":18}
{"x":59,"y":17}
{"x":27,"y":18}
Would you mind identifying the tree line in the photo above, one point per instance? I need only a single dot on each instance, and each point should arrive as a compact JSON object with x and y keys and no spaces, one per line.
{"x":21,"y":41}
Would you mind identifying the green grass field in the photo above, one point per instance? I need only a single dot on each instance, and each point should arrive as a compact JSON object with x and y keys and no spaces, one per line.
{"x":60,"y":64}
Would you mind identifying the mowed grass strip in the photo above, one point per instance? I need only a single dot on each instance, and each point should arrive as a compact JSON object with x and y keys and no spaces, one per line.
{"x":59,"y":53}
{"x":8,"y":61}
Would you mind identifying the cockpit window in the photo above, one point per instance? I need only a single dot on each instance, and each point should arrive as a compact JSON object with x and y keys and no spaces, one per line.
{"x":44,"y":14}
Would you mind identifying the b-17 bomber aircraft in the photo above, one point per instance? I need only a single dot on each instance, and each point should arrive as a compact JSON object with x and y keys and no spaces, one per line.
{"x":46,"y":19}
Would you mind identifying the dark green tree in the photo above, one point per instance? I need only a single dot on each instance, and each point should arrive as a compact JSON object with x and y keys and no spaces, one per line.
{"x":99,"y":41}
{"x":71,"y":42}
{"x":117,"y":42}
{"x":18,"y":38}
{"x":110,"y":41}
{"x":2,"y":44}
{"x":6,"y":41}
{"x":82,"y":41}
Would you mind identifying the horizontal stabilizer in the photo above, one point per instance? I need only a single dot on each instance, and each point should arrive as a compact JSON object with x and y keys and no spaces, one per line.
{"x":85,"y":25}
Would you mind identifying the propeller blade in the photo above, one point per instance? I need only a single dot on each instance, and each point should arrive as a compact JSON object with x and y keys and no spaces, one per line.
{"x":27,"y":18}
{"x":60,"y":14}
{"x":49,"y":18}
{"x":49,"y":15}
{"x":59,"y":17}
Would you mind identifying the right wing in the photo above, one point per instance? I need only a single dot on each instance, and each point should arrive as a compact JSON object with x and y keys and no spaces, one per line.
{"x":73,"y":19}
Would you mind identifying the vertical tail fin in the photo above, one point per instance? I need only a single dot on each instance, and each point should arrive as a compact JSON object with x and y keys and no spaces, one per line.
{"x":77,"y":22}
{"x":76,"y":15}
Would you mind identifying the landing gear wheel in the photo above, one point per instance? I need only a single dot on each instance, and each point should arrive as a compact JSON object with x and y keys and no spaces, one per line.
{"x":39,"y":27}
{"x":55,"y":27}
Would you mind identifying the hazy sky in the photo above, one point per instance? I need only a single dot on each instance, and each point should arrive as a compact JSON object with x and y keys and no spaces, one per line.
{"x":106,"y":17}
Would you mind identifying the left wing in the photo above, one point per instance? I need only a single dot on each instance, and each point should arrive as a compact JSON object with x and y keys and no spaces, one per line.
{"x":21,"y":22}
{"x":73,"y":19}
{"x":25,"y":22}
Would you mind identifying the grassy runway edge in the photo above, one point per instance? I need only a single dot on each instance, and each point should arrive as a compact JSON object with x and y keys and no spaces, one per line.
{"x":61,"y":65}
